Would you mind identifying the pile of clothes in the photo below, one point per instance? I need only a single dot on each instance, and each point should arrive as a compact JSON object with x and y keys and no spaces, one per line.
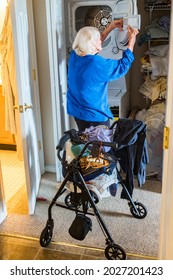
{"x":155,"y":61}
{"x":154,"y":89}
{"x":154,"y":117}
{"x":159,"y":28}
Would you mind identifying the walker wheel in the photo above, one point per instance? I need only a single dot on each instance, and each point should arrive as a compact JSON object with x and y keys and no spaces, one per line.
{"x":68,"y":201}
{"x":46,"y":236}
{"x":115,"y":252}
{"x":142,"y":210}
{"x":71,"y":201}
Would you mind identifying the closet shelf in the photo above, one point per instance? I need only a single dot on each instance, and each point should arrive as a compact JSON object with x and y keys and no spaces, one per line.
{"x":159,"y":39}
{"x":157,"y":7}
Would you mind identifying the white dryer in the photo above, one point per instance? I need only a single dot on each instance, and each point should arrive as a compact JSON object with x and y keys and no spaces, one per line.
{"x":99,"y":13}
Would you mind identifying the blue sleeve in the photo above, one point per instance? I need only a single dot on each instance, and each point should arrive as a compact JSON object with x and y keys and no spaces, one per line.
{"x":111,"y":69}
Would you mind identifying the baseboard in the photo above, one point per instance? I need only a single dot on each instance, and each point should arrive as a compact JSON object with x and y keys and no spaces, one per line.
{"x":50,"y":168}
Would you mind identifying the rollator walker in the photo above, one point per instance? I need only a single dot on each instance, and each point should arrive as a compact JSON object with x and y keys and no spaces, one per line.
{"x":84,"y":201}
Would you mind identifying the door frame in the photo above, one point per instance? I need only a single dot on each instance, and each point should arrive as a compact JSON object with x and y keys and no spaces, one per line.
{"x":166,"y":220}
{"x":57,"y":92}
{"x":3,"y":209}
{"x":35,"y":84}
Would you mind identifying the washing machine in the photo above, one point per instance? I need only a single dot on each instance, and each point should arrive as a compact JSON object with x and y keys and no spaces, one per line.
{"x":80,"y":13}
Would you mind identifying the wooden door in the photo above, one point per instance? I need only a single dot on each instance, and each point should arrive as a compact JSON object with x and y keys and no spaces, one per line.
{"x":22,"y":37}
{"x":6,"y":138}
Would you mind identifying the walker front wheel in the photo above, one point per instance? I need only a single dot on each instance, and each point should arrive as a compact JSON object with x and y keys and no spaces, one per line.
{"x":140,"y":212}
{"x":46,"y":236}
{"x":47,"y":232}
{"x":115,"y":252}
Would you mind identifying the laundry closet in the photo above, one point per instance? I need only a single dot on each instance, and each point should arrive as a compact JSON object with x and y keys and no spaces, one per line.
{"x":142,"y":93}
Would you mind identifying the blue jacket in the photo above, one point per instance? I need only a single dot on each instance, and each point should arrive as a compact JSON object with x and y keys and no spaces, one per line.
{"x":88,"y":77}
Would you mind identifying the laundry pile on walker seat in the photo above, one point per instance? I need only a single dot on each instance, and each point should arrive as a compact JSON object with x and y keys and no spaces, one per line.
{"x":98,"y":170}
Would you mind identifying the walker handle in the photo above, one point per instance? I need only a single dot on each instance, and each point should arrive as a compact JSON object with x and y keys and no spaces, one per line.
{"x":62,"y":141}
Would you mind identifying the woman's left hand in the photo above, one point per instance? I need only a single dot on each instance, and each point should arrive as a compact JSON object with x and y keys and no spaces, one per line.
{"x":132,"y":33}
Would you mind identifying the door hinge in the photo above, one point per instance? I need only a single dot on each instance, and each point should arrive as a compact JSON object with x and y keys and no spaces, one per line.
{"x":166,"y":137}
{"x":39,"y":144}
{"x":34,"y":74}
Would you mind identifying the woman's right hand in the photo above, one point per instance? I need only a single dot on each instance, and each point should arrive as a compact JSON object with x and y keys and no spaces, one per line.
{"x":132,"y":33}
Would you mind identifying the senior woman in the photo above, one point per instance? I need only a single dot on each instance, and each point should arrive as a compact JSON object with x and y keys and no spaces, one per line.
{"x":89,"y":74}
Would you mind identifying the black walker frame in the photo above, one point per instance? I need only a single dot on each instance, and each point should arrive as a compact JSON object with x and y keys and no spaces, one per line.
{"x":87,"y":199}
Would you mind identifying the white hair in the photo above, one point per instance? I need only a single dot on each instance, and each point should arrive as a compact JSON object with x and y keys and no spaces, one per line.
{"x":85,"y":40}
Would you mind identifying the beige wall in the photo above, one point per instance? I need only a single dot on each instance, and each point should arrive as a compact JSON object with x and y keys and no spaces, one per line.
{"x":44,"y":80}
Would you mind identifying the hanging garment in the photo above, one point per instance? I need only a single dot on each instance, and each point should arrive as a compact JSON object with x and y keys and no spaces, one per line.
{"x":130,"y":136}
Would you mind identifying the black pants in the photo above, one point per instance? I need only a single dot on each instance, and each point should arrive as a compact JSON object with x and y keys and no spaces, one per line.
{"x":86,"y":124}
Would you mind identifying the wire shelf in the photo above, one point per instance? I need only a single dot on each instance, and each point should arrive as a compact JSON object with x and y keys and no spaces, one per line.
{"x":157,"y":7}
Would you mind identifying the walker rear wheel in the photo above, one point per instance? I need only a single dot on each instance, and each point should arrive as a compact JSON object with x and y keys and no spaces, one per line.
{"x":115,"y":252}
{"x":73,"y":200}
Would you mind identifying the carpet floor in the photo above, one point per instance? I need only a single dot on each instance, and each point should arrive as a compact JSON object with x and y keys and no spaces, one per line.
{"x":136,"y":236}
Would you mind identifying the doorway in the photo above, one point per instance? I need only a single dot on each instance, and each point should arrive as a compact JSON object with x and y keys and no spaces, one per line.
{"x":13,"y":175}
{"x":12,"y":164}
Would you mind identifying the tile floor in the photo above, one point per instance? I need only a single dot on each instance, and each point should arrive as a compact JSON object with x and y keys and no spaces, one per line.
{"x":18,"y":248}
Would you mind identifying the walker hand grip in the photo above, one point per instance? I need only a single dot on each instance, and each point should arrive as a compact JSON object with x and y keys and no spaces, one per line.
{"x":62,"y":141}
{"x":105,"y":144}
{"x":110,"y":144}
